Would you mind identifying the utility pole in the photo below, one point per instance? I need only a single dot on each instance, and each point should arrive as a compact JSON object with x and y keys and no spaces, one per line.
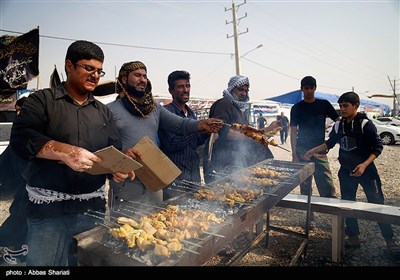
{"x":395,"y":100}
{"x":235,"y":35}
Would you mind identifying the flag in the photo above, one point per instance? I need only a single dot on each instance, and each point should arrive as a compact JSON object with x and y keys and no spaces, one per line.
{"x":54,"y":79}
{"x":19,"y":59}
{"x":7,"y":100}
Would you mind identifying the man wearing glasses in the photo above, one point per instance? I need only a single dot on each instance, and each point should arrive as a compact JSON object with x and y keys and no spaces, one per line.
{"x":57,"y":131}
{"x":307,"y":130}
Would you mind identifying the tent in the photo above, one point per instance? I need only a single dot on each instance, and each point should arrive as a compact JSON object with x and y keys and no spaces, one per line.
{"x":295,"y":96}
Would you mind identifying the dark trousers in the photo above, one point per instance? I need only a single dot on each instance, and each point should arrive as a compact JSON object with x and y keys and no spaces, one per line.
{"x":372,"y":186}
{"x":283,"y":134}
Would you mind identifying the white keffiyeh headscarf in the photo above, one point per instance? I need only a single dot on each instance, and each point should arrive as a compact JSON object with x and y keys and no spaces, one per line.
{"x":234,"y":82}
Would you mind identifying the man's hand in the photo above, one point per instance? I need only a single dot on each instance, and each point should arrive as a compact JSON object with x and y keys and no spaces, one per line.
{"x":272,"y":126}
{"x":309,"y":154}
{"x":82,"y":160}
{"x":133,"y":153}
{"x":118,"y":177}
{"x":77,"y":158}
{"x":210,"y":125}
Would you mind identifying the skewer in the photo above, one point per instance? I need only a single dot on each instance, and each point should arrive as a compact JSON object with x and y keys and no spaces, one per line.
{"x":209,"y":233}
{"x":98,"y":212}
{"x":221,"y":122}
{"x":144,"y":204}
{"x":178,"y":190}
{"x":191,"y":243}
{"x":144,"y":211}
{"x":190,"y":188}
{"x":190,"y":251}
{"x":183,"y":241}
{"x":182,"y":184}
{"x":97,"y":217}
{"x":219,"y":173}
{"x":283,"y":148}
{"x":214,"y":234}
{"x":123,"y":214}
{"x":270,"y":194}
{"x":101,"y":224}
{"x":191,"y":183}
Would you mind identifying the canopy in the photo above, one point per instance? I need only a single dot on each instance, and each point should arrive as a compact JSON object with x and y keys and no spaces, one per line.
{"x":295,"y":96}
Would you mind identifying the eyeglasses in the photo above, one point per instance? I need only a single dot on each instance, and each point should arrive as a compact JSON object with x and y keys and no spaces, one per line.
{"x":91,"y":70}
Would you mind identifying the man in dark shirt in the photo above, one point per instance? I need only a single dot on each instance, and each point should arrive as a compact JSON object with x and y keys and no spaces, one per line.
{"x":307,"y":130}
{"x":181,"y":149}
{"x":261,"y":121}
{"x":233,"y":150}
{"x":284,"y":122}
{"x":58,"y":131}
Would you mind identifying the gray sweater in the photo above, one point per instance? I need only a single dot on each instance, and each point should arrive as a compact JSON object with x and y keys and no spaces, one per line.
{"x":133,"y":128}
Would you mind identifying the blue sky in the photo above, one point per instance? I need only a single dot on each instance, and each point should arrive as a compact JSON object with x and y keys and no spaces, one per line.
{"x":343,"y":44}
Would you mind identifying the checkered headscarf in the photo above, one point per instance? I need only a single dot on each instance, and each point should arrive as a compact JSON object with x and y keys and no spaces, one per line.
{"x":237,"y":81}
{"x":234,"y":82}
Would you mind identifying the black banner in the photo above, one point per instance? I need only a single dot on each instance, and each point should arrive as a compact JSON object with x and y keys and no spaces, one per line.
{"x":19,"y":59}
{"x":54,"y":79}
{"x":7,"y":100}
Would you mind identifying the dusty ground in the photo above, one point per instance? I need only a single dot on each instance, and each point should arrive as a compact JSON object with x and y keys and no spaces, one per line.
{"x":282,"y":247}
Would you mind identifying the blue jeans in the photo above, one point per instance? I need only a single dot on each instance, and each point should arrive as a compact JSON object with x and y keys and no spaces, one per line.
{"x":50,"y":241}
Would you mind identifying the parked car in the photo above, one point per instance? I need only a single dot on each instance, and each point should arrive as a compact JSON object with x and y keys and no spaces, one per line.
{"x":389,"y":120}
{"x":328,"y":127}
{"x":388,"y":133}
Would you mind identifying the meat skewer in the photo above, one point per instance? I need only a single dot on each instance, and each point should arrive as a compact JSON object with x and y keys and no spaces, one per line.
{"x":259,"y":135}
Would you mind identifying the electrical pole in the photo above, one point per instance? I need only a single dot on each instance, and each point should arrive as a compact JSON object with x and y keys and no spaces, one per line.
{"x":395,"y":100}
{"x":235,"y":35}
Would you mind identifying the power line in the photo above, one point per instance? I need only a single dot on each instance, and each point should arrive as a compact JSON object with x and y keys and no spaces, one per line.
{"x":126,"y":46}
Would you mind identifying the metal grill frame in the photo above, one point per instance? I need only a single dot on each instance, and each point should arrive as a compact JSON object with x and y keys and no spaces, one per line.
{"x":92,"y":253}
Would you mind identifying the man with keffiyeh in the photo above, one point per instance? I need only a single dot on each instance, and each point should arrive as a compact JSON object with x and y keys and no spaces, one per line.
{"x":137,"y":115}
{"x":233,"y":150}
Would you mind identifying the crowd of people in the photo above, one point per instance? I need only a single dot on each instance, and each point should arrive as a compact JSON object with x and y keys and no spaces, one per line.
{"x":57,"y":131}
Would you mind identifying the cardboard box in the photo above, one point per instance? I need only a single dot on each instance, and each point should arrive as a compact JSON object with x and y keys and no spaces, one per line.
{"x":113,"y":161}
{"x":158,"y":170}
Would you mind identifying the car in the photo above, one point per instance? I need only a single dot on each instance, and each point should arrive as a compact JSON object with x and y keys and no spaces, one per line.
{"x":388,"y":133}
{"x":389,"y":120}
{"x":328,"y":127}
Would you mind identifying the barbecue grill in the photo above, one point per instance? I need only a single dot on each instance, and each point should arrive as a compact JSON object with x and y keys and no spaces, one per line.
{"x":98,"y":248}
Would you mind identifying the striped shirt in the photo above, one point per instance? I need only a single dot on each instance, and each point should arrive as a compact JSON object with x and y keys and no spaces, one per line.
{"x":182,"y":149}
